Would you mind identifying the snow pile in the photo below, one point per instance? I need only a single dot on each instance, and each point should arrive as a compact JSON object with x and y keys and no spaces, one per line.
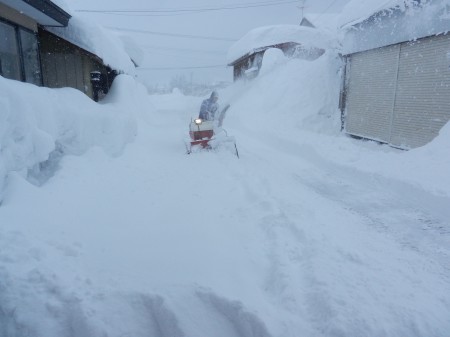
{"x":266,"y":36}
{"x":426,"y":167}
{"x":272,"y":58}
{"x":289,"y":96}
{"x":36,"y":123}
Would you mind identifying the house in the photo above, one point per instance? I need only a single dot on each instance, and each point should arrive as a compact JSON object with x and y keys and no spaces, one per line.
{"x":245,"y":56}
{"x":306,"y":23}
{"x":396,"y":88}
{"x":19,"y":48}
{"x":40,"y":43}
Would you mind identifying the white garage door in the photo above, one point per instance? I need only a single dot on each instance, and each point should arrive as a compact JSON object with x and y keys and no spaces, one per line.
{"x":371,"y":93}
{"x":400,"y":94}
{"x":422,"y":105}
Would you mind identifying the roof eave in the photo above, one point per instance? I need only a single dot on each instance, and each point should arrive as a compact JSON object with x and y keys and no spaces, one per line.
{"x":51,"y":10}
{"x":43,"y":12}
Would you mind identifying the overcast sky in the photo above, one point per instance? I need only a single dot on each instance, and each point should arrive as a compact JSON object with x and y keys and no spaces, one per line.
{"x":194,"y":39}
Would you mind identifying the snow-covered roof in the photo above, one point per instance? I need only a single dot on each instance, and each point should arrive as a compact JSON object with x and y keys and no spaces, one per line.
{"x":90,"y":36}
{"x":396,"y":22}
{"x":271,"y":35}
{"x":356,"y":11}
{"x":98,"y":41}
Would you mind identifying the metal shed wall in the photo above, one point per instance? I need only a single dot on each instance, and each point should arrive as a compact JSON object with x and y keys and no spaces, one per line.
{"x":400,"y":94}
{"x":371,"y":93}
{"x":422,"y":105}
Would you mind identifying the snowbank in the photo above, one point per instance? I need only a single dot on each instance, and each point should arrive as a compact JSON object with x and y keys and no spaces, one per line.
{"x":271,"y":35}
{"x":37,"y":122}
{"x":289,"y":96}
{"x":299,"y":99}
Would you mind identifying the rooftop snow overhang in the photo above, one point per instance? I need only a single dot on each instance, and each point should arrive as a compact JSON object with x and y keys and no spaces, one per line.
{"x":45,"y":12}
{"x":365,"y":19}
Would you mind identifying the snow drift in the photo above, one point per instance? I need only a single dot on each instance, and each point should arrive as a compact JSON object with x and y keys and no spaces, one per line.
{"x":38,"y":124}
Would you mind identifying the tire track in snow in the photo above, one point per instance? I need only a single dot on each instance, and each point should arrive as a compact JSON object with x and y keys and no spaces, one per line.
{"x":290,"y":279}
{"x":399,"y":212}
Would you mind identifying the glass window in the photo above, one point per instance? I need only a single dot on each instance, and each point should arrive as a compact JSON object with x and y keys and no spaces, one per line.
{"x":30,"y":54}
{"x":9,"y":53}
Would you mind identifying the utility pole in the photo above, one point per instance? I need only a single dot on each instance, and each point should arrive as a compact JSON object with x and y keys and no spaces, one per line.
{"x":302,"y":8}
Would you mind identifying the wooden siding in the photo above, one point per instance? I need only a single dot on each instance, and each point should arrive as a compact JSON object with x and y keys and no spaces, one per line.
{"x":66,"y":65}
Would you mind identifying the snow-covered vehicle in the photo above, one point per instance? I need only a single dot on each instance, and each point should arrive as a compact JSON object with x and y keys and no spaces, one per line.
{"x":209,"y":135}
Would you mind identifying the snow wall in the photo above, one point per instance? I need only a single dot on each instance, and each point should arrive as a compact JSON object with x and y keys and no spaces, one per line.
{"x":38,"y":125}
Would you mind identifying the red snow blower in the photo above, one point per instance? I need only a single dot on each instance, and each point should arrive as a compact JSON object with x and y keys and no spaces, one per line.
{"x":209,"y":135}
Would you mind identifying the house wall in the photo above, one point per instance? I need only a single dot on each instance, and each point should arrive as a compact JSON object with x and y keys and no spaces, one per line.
{"x":66,"y":65}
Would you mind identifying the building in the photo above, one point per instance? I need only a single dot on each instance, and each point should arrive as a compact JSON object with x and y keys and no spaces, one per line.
{"x":396,"y":88}
{"x":19,"y":49}
{"x":35,"y":48}
{"x":246,"y":55}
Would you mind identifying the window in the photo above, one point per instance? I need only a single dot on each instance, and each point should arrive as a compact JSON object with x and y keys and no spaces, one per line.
{"x":30,"y":55}
{"x":9,"y":53}
{"x":19,"y":54}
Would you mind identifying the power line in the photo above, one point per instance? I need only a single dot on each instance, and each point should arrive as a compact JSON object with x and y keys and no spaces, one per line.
{"x":180,"y":68}
{"x":143,"y":31}
{"x":184,"y":50}
{"x":162,"y":12}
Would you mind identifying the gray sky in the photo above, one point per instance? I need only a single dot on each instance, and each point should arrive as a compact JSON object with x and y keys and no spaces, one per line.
{"x":194,"y":39}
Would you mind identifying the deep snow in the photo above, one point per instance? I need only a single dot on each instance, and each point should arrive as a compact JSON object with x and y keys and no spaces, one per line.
{"x":309,"y":233}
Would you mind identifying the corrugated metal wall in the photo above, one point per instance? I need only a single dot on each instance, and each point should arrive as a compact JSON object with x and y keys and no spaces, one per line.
{"x":371,"y":93}
{"x":400,"y":94}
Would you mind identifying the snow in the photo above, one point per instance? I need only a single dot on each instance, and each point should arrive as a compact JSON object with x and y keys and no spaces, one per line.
{"x":309,"y":233}
{"x":94,"y":38}
{"x":358,"y":10}
{"x":271,"y":35}
{"x":38,"y":122}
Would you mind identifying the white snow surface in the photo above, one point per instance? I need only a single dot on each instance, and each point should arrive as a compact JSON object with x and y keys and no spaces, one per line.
{"x":97,"y":40}
{"x":308,"y":233}
{"x":356,"y":11}
{"x":270,"y":35}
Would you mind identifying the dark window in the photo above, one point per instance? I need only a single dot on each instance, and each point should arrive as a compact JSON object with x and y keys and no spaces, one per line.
{"x":9,"y":52}
{"x":30,"y":54}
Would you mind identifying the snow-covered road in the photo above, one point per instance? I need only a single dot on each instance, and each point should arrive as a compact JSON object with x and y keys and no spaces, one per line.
{"x":291,"y":239}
